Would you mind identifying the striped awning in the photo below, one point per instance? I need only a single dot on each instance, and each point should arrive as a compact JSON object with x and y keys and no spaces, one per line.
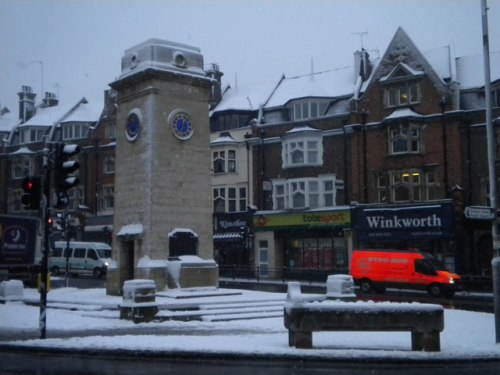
{"x":228,"y":236}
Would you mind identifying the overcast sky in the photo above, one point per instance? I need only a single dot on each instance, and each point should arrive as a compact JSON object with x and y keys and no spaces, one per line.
{"x":79,"y":43}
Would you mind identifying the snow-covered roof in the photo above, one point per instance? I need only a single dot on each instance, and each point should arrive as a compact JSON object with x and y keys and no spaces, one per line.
{"x":470,"y":70}
{"x":300,"y":130}
{"x":48,"y":116}
{"x":85,"y":112}
{"x":224,"y":138}
{"x":403,"y":112}
{"x":246,"y":98}
{"x":327,"y":84}
{"x":441,"y":61}
{"x":7,"y":122}
{"x":408,"y":68}
{"x":22,"y":151}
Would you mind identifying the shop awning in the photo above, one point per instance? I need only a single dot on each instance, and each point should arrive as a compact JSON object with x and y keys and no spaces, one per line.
{"x":228,"y":236}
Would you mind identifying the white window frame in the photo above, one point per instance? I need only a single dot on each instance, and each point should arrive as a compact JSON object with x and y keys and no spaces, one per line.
{"x":107,"y":197}
{"x":21,"y":167}
{"x":109,"y":164}
{"x":31,"y":135}
{"x":409,"y":135}
{"x":232,"y":198}
{"x":310,"y":147}
{"x":224,"y":161}
{"x":309,"y":108}
{"x":402,"y":94}
{"x":111,"y":130}
{"x":412,"y":180}
{"x":300,"y":193}
{"x":75,"y":130}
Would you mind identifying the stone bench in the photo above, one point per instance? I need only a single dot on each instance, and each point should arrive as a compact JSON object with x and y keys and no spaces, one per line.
{"x":304,"y":316}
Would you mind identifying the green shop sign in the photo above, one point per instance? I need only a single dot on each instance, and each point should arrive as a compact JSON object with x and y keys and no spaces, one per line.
{"x":302,"y":220}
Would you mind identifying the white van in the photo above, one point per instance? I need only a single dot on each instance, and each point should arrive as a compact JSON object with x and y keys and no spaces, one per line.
{"x":83,"y":258}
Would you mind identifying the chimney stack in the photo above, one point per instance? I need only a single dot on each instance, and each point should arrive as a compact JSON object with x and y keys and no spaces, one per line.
{"x":362,"y":65}
{"x":216,"y":90}
{"x":50,"y":100}
{"x":26,"y":103}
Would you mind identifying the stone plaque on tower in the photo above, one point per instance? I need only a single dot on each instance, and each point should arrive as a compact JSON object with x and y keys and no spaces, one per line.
{"x":162,"y":173}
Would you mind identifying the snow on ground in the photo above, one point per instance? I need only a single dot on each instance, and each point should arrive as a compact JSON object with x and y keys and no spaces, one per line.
{"x":467,"y":335}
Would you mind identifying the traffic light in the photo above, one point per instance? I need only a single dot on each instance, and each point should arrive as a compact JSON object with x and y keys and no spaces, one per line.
{"x":32,"y":189}
{"x":64,"y":169}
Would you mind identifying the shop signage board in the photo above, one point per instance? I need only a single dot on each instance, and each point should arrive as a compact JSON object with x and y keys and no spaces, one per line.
{"x":304,"y":219}
{"x":400,"y":223}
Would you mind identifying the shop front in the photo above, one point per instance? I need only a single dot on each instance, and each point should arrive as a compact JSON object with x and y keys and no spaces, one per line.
{"x":232,"y":243}
{"x":303,"y":245}
{"x":427,"y":227}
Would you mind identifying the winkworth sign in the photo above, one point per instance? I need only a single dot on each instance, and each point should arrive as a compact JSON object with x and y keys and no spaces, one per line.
{"x":404,"y":222}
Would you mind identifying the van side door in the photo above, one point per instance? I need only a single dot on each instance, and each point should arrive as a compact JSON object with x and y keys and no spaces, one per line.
{"x":78,"y":259}
{"x":91,"y":260}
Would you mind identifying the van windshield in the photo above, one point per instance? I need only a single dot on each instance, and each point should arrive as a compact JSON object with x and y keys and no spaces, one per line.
{"x":438,"y":266}
{"x":104,"y":253}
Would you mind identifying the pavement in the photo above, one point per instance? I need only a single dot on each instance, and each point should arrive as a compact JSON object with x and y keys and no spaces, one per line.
{"x":207,"y":305}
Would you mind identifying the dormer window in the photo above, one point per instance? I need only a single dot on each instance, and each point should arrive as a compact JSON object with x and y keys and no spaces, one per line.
{"x":402,"y":94}
{"x":306,"y":109}
{"x":302,"y":147}
{"x":75,"y":131}
{"x":402,"y":86}
{"x":30,"y":135}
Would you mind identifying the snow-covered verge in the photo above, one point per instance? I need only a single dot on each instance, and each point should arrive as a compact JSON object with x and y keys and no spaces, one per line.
{"x":467,"y":335}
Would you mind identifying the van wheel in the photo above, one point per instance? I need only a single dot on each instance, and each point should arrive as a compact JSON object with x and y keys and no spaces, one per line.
{"x":365,"y":285}
{"x":435,"y":290}
{"x":55,"y":271}
{"x":97,"y":273}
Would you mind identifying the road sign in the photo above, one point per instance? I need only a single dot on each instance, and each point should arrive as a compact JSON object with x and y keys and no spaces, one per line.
{"x":479,"y":213}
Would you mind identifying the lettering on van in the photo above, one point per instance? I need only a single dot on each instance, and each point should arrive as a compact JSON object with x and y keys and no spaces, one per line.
{"x":382,"y":222}
{"x":387,"y":260}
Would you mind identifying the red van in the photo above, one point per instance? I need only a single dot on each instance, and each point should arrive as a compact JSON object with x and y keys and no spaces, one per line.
{"x":377,"y":269}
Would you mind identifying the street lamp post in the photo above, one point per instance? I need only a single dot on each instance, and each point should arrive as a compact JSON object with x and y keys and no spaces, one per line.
{"x":490,"y":135}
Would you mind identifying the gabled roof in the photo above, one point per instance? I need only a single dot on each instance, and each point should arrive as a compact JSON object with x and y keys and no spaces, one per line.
{"x":402,"y":50}
{"x":403,"y":68}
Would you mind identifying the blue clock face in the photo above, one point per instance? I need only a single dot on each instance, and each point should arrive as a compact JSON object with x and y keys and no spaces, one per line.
{"x":133,"y":127}
{"x":181,"y":125}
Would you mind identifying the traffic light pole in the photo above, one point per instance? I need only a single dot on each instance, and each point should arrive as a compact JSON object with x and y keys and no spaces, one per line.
{"x":46,"y":248}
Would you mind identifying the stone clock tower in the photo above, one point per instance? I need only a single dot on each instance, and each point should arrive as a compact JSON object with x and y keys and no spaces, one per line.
{"x":163,"y":203}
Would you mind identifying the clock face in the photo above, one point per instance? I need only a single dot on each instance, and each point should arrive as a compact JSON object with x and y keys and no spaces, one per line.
{"x":180,"y":123}
{"x":133,"y":127}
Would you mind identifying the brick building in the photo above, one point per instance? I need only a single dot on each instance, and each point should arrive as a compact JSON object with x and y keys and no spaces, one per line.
{"x":387,"y":153}
{"x":306,"y":168}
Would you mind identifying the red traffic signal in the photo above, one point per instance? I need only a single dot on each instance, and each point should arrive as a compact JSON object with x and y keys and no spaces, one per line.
{"x":32,"y":192}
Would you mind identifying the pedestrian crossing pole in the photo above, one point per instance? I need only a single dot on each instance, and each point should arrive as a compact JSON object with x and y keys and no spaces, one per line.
{"x":48,"y":164}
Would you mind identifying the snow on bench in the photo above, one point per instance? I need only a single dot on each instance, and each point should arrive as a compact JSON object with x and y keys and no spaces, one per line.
{"x":304,"y":316}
